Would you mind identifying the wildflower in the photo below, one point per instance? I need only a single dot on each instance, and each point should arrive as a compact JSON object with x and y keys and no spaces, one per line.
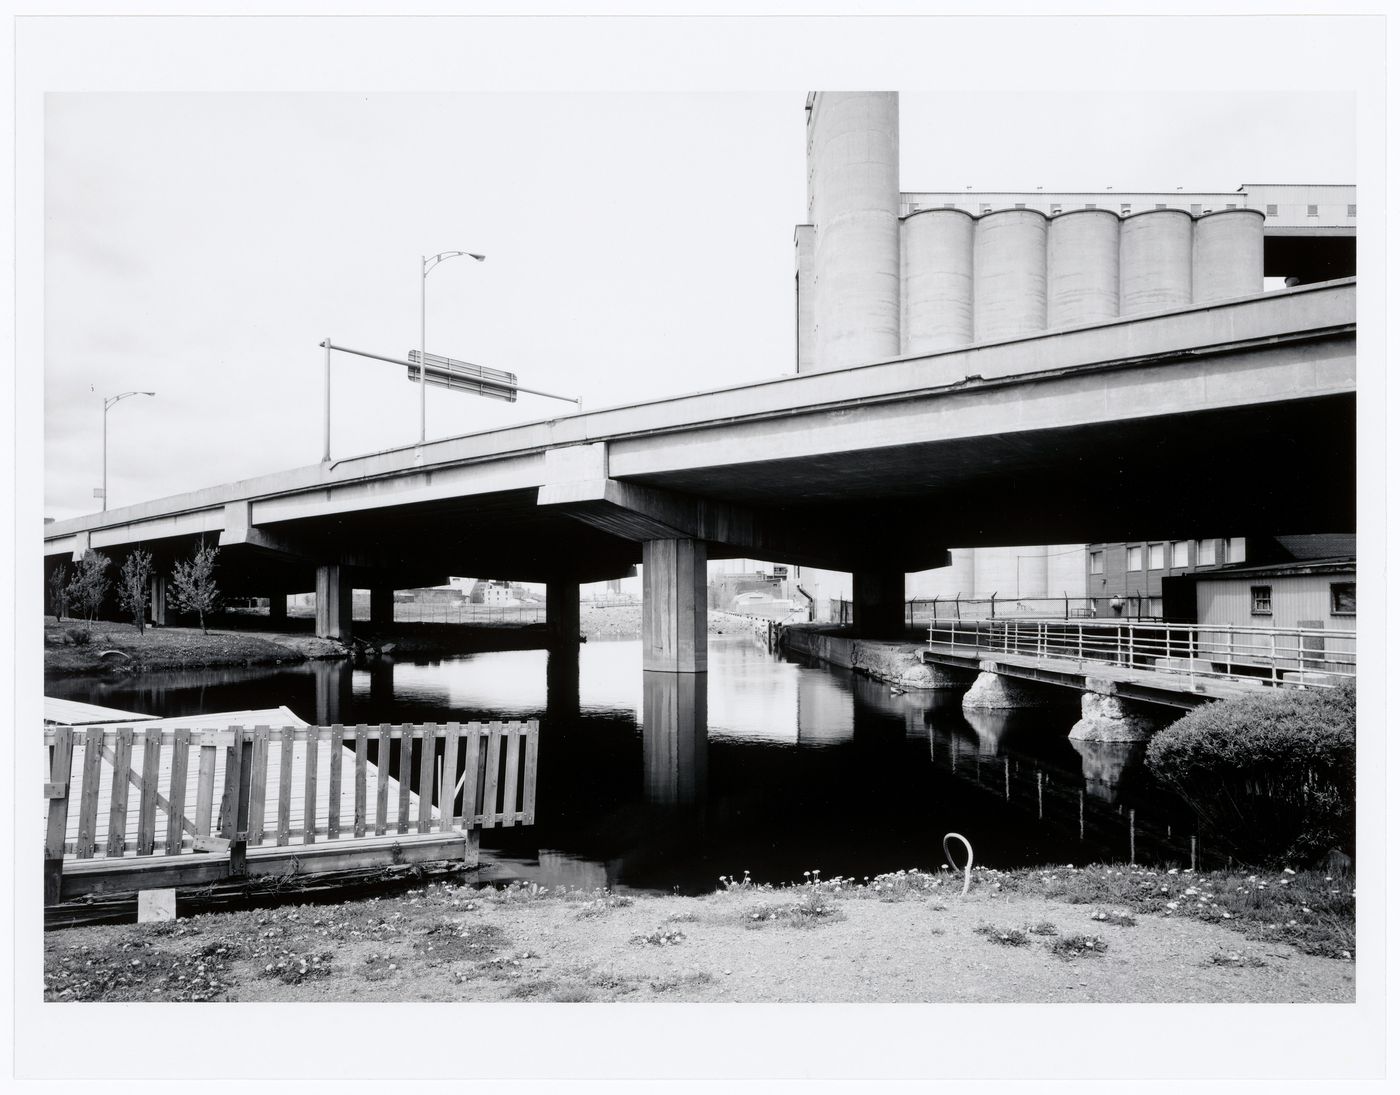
{"x":1289,"y":870}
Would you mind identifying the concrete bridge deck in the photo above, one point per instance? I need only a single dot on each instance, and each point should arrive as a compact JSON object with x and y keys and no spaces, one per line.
{"x":1112,"y":431}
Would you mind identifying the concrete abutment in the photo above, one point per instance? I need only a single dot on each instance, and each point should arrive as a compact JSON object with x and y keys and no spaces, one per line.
{"x":1108,"y":717}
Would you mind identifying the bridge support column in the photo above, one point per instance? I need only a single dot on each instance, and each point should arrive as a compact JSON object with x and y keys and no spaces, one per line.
{"x":1106,"y":716}
{"x":561,"y":616}
{"x":277,"y":609}
{"x":993,"y":691}
{"x":674,"y":614}
{"x":878,"y":601}
{"x":333,"y":602}
{"x":160,"y":615}
{"x":381,"y":605}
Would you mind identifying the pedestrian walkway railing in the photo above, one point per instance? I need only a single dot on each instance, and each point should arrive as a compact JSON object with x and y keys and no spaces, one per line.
{"x":1306,"y":656}
{"x":304,"y":799}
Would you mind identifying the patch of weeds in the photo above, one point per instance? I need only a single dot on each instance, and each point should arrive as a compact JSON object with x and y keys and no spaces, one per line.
{"x":292,"y":968}
{"x":453,"y":941}
{"x":377,"y":967}
{"x":683,"y":918}
{"x":1078,"y":946}
{"x":1121,"y":920}
{"x":604,"y":904}
{"x":685,"y":980}
{"x":1234,"y":960}
{"x":530,"y":990}
{"x":1044,"y":928}
{"x":1006,"y":937}
{"x":661,"y":937}
{"x":133,"y":971}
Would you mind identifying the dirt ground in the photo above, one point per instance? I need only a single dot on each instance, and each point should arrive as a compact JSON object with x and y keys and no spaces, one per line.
{"x":901,"y":937}
{"x":119,"y":647}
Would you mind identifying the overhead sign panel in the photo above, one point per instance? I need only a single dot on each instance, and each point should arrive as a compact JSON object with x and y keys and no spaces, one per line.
{"x":463,"y":376}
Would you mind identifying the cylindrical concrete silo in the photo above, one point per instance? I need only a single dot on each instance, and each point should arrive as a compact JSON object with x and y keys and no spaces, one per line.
{"x":1154,"y":261}
{"x":959,"y":577}
{"x":1081,"y":268}
{"x":1065,"y":571}
{"x":853,"y":151}
{"x":1008,"y":274}
{"x":936,"y":255}
{"x":1228,"y":255}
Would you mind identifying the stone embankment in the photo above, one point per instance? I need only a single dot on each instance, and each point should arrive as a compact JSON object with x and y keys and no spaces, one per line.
{"x":898,"y":663}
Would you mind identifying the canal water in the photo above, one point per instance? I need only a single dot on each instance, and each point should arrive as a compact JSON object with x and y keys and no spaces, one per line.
{"x":653,"y":782}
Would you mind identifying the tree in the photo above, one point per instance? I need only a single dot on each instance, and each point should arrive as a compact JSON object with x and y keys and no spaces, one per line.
{"x":134,"y":586}
{"x":90,"y":584}
{"x":58,"y":591}
{"x":192,"y":587}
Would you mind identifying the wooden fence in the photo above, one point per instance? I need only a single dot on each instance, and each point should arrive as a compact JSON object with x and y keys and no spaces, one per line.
{"x":299,"y":800}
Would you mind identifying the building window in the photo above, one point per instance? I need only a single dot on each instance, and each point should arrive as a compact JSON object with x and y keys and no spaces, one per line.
{"x":1179,"y":553}
{"x":1230,"y":205}
{"x":947,"y":205}
{"x":1156,"y":556}
{"x":1234,"y":549}
{"x":1196,"y":210}
{"x":1091,"y":205}
{"x":1271,"y":211}
{"x":1312,"y":210}
{"x":1351,"y":210}
{"x":1161,"y":205}
{"x":1135,"y":557}
{"x":1261,"y":600}
{"x":1205,"y":553}
{"x":1020,"y":205}
{"x":1096,"y":562}
{"x":1343,"y":598}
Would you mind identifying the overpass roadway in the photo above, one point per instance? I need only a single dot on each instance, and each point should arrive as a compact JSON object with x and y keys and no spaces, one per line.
{"x":1239,"y":415}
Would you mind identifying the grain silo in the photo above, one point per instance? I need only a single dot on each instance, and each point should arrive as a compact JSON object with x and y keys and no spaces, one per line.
{"x":1008,"y":274}
{"x":1228,"y":255}
{"x":936,"y":254}
{"x":1081,"y":268}
{"x":1154,"y":261}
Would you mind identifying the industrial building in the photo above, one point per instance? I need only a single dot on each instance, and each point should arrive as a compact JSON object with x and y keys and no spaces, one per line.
{"x":884,"y":274}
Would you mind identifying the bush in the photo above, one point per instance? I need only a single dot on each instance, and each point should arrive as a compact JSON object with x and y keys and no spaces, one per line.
{"x":78,"y":636}
{"x":1272,"y":776}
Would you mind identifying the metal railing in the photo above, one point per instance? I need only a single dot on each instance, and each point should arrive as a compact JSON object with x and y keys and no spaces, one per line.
{"x":1304,"y":656}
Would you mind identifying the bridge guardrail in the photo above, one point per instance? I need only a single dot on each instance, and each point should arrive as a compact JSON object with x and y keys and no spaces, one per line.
{"x":1302,"y":656}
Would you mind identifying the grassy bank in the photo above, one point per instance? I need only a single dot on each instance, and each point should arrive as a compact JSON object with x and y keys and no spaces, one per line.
{"x":77,"y":647}
{"x":1097,"y":933}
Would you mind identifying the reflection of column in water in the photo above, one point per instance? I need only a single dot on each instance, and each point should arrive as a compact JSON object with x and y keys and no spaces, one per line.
{"x":825,"y":710}
{"x":562,"y":688}
{"x":990,"y":727}
{"x":334,"y":695}
{"x":381,"y":685}
{"x":1104,"y":763}
{"x":674,"y":743}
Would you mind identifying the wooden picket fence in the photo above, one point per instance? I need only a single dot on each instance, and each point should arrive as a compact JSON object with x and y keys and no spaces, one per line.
{"x":304,"y":800}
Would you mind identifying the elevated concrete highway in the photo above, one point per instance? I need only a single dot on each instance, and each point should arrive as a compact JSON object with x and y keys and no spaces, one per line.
{"x":1237,"y":415}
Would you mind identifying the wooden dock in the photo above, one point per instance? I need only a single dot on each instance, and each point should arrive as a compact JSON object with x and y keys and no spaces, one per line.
{"x":295,"y":798}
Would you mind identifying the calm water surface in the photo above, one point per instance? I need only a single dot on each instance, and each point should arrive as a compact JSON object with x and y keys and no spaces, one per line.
{"x":656,"y":781}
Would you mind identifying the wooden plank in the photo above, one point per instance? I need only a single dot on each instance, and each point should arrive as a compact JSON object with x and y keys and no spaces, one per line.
{"x":175,"y":820}
{"x":121,"y":785}
{"x":286,"y":754}
{"x":512,"y":775}
{"x":470,"y":776}
{"x":532,"y":754}
{"x":233,"y":767}
{"x":447,"y":801}
{"x":257,"y":787}
{"x":308,"y":806}
{"x":333,"y":806}
{"x":361,"y":773}
{"x":210,"y":844}
{"x":489,"y":809}
{"x":405,"y":774}
{"x":425,"y":777}
{"x":60,"y":771}
{"x":381,"y":797}
{"x":150,"y":777}
{"x":204,"y":794}
{"x":92,"y":781}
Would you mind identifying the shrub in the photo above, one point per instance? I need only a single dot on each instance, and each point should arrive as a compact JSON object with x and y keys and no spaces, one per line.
{"x":1273,"y":776}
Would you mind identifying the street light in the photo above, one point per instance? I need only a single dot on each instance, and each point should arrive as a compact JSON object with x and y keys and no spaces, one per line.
{"x":430,"y":262}
{"x":107,"y":405}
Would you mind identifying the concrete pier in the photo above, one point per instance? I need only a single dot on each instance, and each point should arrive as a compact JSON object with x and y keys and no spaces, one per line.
{"x":333,"y":603}
{"x":160,"y":615}
{"x":381,"y":605}
{"x":992,"y":691}
{"x":674,"y":636}
{"x":561,"y":615}
{"x":878,"y":603}
{"x":1107,"y":717}
{"x":277,"y":609}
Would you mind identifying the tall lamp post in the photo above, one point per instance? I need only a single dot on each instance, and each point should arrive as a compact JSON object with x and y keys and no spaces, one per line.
{"x":430,"y":262}
{"x":107,"y":405}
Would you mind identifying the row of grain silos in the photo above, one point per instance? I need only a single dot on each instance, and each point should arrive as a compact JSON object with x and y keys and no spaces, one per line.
{"x":1016,"y":272}
{"x":1032,"y":571}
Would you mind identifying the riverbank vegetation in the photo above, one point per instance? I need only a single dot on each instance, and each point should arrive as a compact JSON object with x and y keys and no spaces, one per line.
{"x":1272,"y":776}
{"x":909,"y":935}
{"x":82,"y":647}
